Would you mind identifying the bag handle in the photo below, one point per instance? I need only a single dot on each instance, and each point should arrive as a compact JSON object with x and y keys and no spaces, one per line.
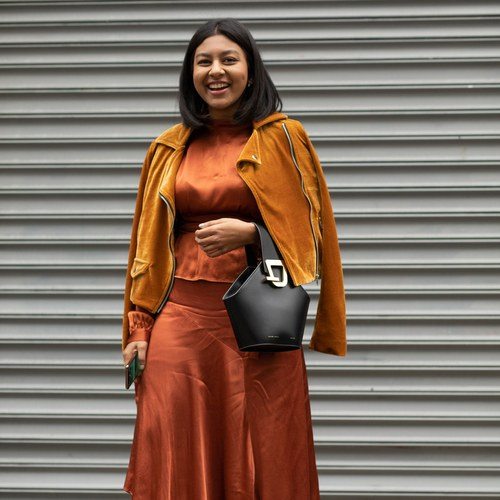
{"x":270,"y":257}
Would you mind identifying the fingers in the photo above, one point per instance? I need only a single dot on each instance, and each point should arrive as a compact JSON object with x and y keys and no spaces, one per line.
{"x":129,"y":352}
{"x":142,"y":355}
{"x":215,"y":250}
{"x":220,"y":236}
{"x":212,"y":248}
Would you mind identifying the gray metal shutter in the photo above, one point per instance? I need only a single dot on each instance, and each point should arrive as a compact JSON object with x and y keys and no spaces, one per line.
{"x":402,"y":102}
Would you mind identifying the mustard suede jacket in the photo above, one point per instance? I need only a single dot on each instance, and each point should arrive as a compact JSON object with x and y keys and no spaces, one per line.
{"x":282,"y":169}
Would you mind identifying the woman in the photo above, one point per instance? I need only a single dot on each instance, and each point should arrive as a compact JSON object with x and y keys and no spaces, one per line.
{"x":213,"y":422}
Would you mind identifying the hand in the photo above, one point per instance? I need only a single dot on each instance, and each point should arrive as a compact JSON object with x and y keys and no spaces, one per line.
{"x":129,"y":352}
{"x":219,"y":236}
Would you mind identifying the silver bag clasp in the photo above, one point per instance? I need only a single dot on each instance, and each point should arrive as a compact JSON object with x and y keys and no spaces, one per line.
{"x":270,"y":274}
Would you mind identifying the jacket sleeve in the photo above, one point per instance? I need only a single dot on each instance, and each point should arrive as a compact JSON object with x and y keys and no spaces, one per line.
{"x":329,"y":333}
{"x":127,"y":303}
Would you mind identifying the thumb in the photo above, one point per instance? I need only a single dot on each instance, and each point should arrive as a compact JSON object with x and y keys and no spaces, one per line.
{"x":209,"y":223}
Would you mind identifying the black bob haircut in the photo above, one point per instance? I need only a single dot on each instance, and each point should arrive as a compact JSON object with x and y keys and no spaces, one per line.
{"x":257,"y":101}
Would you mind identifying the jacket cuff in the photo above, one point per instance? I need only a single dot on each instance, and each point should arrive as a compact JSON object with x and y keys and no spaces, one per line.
{"x":140,"y":326}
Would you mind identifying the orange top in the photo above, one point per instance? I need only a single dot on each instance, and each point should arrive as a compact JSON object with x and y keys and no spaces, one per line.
{"x":208,"y":187}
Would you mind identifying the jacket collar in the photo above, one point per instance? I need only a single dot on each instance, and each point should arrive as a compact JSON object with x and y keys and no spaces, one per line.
{"x":177,"y":136}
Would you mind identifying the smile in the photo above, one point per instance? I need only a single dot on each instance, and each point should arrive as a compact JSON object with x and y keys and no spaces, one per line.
{"x":218,"y":91}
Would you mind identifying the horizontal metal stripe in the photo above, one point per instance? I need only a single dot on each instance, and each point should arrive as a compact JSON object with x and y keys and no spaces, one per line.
{"x":116,"y":395}
{"x":431,"y":293}
{"x":51,"y":449}
{"x":319,"y":118}
{"x":345,"y":149}
{"x":363,"y":242}
{"x":359,"y":347}
{"x":341,"y":378}
{"x":150,"y":93}
{"x":60,"y":344}
{"x":353,"y":267}
{"x":368,"y":403}
{"x":119,"y":394}
{"x":75,"y":163}
{"x":446,"y":451}
{"x":410,"y":377}
{"x":310,"y":117}
{"x":352,"y":467}
{"x":62,"y":493}
{"x":104,"y":328}
{"x":279,"y":65}
{"x":94,"y":422}
{"x":425,"y":448}
{"x":80,"y":306}
{"x":365,"y":125}
{"x":390,"y":226}
{"x":477,"y":430}
{"x":347,"y":200}
{"x":361,"y":492}
{"x":21,"y":55}
{"x":262,"y":11}
{"x":334,"y":139}
{"x":339,"y":479}
{"x":310,"y":72}
{"x":319,"y":27}
{"x":341,"y":179}
{"x":387,"y":216}
{"x":483,"y":354}
{"x":333,"y":494}
{"x":303,"y":99}
{"x":431,"y":241}
{"x":317,"y":366}
{"x":363,"y":277}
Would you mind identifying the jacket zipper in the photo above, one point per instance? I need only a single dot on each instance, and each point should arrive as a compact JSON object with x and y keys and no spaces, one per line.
{"x":167,"y":293}
{"x":292,"y":151}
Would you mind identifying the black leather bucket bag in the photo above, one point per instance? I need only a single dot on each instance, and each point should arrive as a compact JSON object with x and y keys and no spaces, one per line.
{"x":267,"y":312}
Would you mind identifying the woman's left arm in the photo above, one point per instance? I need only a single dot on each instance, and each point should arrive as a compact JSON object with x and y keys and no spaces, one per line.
{"x":329,"y":333}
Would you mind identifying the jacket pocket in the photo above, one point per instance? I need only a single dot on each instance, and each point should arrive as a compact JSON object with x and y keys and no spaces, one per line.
{"x":141,"y":281}
{"x":140,"y":266}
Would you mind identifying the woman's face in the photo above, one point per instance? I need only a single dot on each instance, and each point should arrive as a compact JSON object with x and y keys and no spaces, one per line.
{"x":220,"y":60}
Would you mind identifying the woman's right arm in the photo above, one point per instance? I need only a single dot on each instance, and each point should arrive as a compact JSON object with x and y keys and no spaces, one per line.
{"x":127,"y":335}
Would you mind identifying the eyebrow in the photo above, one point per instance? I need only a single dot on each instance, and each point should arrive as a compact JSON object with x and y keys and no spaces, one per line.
{"x":223,"y":53}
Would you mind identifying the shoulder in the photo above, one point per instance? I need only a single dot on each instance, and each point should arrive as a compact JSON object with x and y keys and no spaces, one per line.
{"x":284,"y":122}
{"x":171,"y":134}
{"x":296,"y":128}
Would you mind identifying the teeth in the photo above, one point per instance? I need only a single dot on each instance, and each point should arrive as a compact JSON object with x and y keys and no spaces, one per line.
{"x":218,"y":86}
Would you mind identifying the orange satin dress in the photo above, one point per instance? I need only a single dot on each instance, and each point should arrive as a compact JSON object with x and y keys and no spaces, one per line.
{"x":215,"y":423}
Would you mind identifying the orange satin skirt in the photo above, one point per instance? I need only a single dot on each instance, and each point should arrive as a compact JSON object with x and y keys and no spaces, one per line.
{"x":215,"y":423}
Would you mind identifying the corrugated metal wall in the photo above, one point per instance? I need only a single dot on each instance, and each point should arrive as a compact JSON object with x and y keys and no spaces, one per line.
{"x":402,"y":102}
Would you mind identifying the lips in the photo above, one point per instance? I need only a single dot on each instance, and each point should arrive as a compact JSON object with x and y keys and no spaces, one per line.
{"x":218,"y":83}
{"x":218,"y":91}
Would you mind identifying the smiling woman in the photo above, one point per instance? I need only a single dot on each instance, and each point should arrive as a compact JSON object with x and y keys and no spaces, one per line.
{"x":220,"y":75}
{"x":214,"y":422}
{"x":223,"y":51}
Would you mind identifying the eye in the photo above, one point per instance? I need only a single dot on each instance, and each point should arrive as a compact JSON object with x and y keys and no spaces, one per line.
{"x":228,"y":59}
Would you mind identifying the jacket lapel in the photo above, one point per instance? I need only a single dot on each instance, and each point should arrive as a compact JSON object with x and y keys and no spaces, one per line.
{"x":177,"y":136}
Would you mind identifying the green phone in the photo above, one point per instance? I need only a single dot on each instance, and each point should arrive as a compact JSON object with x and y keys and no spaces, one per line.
{"x":132,"y":370}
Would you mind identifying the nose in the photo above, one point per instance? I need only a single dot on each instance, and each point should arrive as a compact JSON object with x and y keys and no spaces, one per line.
{"x":216,"y":69}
